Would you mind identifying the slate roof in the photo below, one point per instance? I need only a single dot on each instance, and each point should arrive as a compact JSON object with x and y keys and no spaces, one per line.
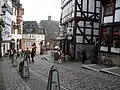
{"x":50,"y":27}
{"x":28,"y":25}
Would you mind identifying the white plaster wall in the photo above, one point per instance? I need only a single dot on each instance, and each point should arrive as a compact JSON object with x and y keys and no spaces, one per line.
{"x":14,"y":16}
{"x":91,"y":5}
{"x":84,"y":5}
{"x":9,"y":2}
{"x":103,"y":48}
{"x":108,"y":19}
{"x":115,"y":50}
{"x":79,"y":39}
{"x":7,"y":47}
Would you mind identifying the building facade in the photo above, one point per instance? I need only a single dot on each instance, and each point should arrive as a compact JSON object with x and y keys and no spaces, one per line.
{"x":51,"y":28}
{"x":17,"y":23}
{"x":110,"y":27}
{"x":80,"y":25}
{"x":32,"y":34}
{"x":6,"y":33}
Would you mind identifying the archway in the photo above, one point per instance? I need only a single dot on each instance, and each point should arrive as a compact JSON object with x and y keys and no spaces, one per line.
{"x":12,"y":43}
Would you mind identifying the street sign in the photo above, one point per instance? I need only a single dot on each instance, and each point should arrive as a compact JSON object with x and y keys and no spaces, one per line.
{"x":53,"y":80}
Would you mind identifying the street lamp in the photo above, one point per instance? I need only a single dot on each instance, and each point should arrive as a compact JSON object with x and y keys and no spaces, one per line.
{"x":4,"y":8}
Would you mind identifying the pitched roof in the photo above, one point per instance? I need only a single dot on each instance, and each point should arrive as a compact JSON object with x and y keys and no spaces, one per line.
{"x":50,"y":27}
{"x":31,"y":27}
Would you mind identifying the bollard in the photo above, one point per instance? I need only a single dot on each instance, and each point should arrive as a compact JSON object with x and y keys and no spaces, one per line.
{"x":53,"y":80}
{"x":14,"y":64}
{"x":25,"y":70}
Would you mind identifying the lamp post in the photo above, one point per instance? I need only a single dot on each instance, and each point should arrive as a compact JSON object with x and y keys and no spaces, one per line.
{"x":4,"y":8}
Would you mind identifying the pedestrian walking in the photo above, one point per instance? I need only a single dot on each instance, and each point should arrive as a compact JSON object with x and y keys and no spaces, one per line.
{"x":95,"y":53}
{"x":33,"y":54}
{"x":27,"y":54}
{"x":12,"y":54}
{"x":83,"y":56}
{"x":9,"y":53}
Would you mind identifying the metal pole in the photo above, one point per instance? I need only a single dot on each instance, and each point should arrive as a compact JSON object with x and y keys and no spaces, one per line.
{"x":0,"y":45}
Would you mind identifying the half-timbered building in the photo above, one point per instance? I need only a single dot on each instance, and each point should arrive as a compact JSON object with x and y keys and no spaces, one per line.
{"x":80,"y":22}
{"x":110,"y":27}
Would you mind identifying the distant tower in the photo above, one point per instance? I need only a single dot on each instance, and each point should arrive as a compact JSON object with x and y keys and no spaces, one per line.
{"x":49,"y":17}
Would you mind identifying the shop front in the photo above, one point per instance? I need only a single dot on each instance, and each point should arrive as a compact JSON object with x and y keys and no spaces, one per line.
{"x":110,"y":28}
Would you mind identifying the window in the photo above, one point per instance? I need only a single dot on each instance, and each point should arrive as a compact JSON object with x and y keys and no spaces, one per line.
{"x":13,"y":31}
{"x":116,"y":35}
{"x":117,"y":15}
{"x":106,"y":36}
{"x":108,"y":10}
{"x":117,"y":3}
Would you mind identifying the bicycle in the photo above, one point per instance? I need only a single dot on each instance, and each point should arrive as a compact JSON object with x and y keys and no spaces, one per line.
{"x":106,"y":61}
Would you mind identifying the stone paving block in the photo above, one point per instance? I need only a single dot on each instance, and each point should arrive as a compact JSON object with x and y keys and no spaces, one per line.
{"x":2,"y":85}
{"x":72,"y":77}
{"x":12,"y":80}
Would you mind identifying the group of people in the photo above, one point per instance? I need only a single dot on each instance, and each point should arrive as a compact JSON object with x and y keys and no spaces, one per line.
{"x":33,"y":53}
{"x":26,"y":53}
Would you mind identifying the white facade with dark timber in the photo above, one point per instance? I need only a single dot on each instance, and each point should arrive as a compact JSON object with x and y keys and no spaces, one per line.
{"x":80,"y":19}
{"x":110,"y":27}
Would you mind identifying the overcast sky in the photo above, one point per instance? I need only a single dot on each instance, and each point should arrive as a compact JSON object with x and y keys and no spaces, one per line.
{"x":41,"y":9}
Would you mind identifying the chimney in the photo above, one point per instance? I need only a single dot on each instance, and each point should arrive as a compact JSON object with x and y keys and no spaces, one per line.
{"x":49,"y":17}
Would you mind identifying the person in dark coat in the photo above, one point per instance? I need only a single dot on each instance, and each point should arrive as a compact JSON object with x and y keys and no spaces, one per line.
{"x":33,"y":54}
{"x":83,"y":56}
{"x":27,"y":54}
{"x":95,"y":53}
{"x":13,"y":51}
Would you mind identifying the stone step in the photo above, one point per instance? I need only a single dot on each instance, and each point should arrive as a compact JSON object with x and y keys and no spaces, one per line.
{"x":113,"y":70}
{"x":93,"y":67}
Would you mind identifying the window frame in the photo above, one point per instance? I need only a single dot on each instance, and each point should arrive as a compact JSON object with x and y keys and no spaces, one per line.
{"x":108,"y":6}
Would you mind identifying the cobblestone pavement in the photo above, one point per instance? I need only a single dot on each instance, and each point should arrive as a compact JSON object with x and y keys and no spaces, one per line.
{"x":72,"y":77}
{"x":2,"y":85}
{"x":13,"y":80}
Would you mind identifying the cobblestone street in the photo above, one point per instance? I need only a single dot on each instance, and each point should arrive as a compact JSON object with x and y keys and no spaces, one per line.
{"x":72,"y":77}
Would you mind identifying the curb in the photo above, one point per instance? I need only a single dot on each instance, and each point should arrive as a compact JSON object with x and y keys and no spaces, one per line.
{"x":87,"y":67}
{"x":109,"y":72}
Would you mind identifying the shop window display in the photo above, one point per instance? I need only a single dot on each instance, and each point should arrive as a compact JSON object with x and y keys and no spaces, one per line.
{"x":116,"y":36}
{"x":106,"y":36}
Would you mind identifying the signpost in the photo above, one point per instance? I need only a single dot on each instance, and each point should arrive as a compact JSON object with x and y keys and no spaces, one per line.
{"x":53,"y":80}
